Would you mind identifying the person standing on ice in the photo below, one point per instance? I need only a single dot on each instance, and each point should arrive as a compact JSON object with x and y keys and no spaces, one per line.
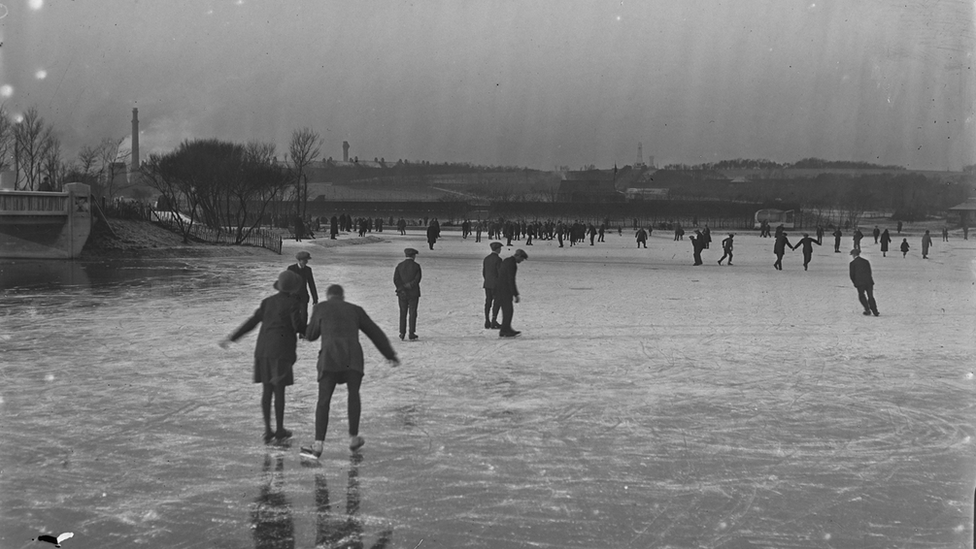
{"x":779,"y":248}
{"x":837,"y":234}
{"x":506,"y":291}
{"x":858,"y":235}
{"x":861,"y":277}
{"x":274,"y":354}
{"x":697,"y":244}
{"x":339,"y":322}
{"x":302,"y":269}
{"x":641,"y":237}
{"x":727,"y":249}
{"x":926,"y":243}
{"x":406,"y":279}
{"x":904,"y":247}
{"x":489,"y":271}
{"x":807,"y":244}
{"x":885,"y":242}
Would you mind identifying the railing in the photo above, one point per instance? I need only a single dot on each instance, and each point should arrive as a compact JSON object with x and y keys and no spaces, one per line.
{"x":33,"y":203}
{"x":262,"y":238}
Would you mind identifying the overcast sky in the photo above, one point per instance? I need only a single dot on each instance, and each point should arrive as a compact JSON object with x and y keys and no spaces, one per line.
{"x":533,"y":83}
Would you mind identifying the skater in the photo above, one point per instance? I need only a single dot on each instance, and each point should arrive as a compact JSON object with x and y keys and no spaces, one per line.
{"x":406,"y":279}
{"x":885,"y":241}
{"x":899,"y":227}
{"x":506,"y":291}
{"x":858,"y":235}
{"x":641,"y":237}
{"x":274,"y":353}
{"x":876,"y":233}
{"x":333,"y":227}
{"x":861,"y":277}
{"x":779,"y":248}
{"x":402,"y":226}
{"x":308,"y":282}
{"x":697,"y":244}
{"x":433,"y":233}
{"x":945,"y":234}
{"x":489,"y":271}
{"x":820,"y":234}
{"x":727,"y":249}
{"x":341,"y":361}
{"x":807,"y":244}
{"x":707,"y":236}
{"x":926,"y":243}
{"x":837,"y":234}
{"x":904,"y":247}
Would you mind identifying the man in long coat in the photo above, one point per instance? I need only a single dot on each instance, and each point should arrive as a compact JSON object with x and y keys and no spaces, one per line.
{"x":861,"y":277}
{"x":406,"y":279}
{"x":308,"y":282}
{"x":489,"y":271}
{"x":341,"y":361}
{"x":506,"y":291}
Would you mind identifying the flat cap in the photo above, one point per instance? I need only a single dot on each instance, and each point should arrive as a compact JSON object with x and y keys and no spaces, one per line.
{"x":410,"y":252}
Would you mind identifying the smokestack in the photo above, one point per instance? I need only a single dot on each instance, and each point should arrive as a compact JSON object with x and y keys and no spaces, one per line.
{"x":135,"y":140}
{"x":345,"y":151}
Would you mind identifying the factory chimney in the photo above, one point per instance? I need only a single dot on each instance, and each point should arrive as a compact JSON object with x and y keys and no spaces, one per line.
{"x":135,"y":140}
{"x":345,"y":151}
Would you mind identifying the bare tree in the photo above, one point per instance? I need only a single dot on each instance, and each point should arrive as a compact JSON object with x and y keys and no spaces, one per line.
{"x":52,"y":168}
{"x":87,"y":160}
{"x":304,"y":149}
{"x":32,"y":137}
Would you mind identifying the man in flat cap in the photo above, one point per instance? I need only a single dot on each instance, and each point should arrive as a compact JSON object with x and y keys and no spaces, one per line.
{"x":406,"y":278}
{"x":506,"y":291}
{"x":308,"y":282}
{"x":489,"y":271}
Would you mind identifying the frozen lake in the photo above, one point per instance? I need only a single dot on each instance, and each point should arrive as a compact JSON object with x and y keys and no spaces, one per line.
{"x":648,"y":403}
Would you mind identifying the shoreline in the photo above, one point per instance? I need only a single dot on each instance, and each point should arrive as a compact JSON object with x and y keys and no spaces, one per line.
{"x":146,"y":240}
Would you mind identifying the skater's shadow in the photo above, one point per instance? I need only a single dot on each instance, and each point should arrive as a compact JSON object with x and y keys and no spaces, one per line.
{"x":271,"y":518}
{"x":343,"y":530}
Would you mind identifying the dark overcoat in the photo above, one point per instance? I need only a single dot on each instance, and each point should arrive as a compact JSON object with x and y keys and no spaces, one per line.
{"x":281,"y":322}
{"x":505,"y":285}
{"x":489,"y":270}
{"x":406,"y":278}
{"x":861,"y":273}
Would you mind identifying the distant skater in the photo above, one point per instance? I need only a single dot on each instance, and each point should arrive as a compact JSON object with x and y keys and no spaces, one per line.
{"x":727,"y":249}
{"x":806,"y":244}
{"x":885,"y":242}
{"x":779,"y":249}
{"x":697,"y":245}
{"x":406,"y":279}
{"x":433,"y":233}
{"x":858,"y":235}
{"x":904,"y":247}
{"x":641,"y":238}
{"x":274,"y":354}
{"x":861,"y":277}
{"x":506,"y":291}
{"x":837,"y":235}
{"x":489,"y":271}
{"x":926,"y":243}
{"x":945,"y":234}
{"x":341,"y":361}
{"x":876,"y":233}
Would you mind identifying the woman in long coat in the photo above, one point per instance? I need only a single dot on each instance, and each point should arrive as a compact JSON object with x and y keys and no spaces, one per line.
{"x":885,"y":240}
{"x":274,"y":354}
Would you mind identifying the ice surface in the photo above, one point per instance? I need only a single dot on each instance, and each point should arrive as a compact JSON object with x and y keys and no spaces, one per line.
{"x":648,"y":403}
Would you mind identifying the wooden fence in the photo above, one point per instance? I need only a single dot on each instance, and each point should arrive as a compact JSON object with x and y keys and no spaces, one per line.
{"x":263,"y":238}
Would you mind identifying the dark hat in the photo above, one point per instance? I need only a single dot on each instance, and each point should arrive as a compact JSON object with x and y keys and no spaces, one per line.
{"x":303,"y":255}
{"x":496,"y":246}
{"x":288,"y":282}
{"x":855,"y":251}
{"x":521,"y":253}
{"x":410,"y":252}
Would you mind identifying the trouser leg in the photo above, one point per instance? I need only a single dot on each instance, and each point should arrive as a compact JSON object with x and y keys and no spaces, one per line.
{"x":404,"y":305}
{"x":326,"y":388}
{"x":412,"y":309}
{"x":508,"y":310}
{"x":353,"y":382}
{"x":489,"y":298}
